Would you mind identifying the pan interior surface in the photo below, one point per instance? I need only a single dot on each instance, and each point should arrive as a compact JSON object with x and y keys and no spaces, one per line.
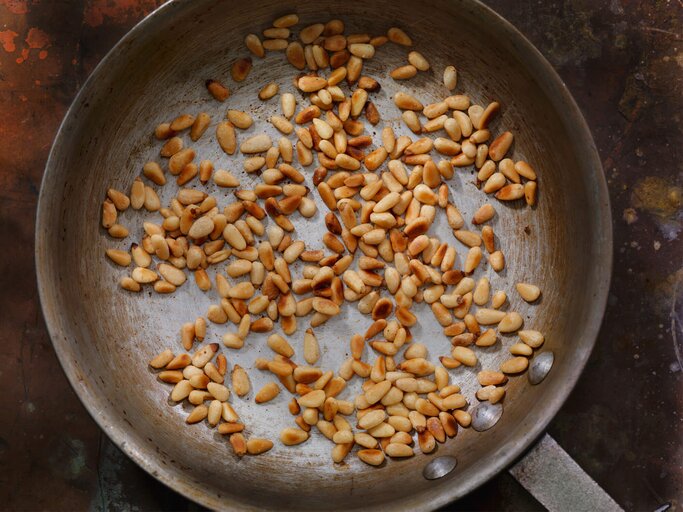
{"x":105,"y":336}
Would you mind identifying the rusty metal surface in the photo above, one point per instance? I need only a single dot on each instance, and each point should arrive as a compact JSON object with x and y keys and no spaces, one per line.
{"x":623,"y":67}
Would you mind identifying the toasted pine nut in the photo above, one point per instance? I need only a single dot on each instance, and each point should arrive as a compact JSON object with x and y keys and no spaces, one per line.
{"x":267,"y":393}
{"x":253,"y":43}
{"x":275,"y":44}
{"x":293,"y":436}
{"x":407,"y":102}
{"x":403,"y":72}
{"x":311,"y":83}
{"x":268,"y":91}
{"x":488,"y":378}
{"x":500,"y":146}
{"x":295,"y":55}
{"x":398,"y":36}
{"x":311,"y":33}
{"x":371,"y":456}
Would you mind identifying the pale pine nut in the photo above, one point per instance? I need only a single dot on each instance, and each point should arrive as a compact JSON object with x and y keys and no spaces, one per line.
{"x":398,"y":36}
{"x":465,"y":355}
{"x":529,"y":292}
{"x":398,"y":450}
{"x":268,"y":91}
{"x":254,"y":45}
{"x":511,"y":322}
{"x":514,"y":365}
{"x":521,"y":349}
{"x":450,"y":77}
{"x":532,"y":338}
{"x":256,"y":446}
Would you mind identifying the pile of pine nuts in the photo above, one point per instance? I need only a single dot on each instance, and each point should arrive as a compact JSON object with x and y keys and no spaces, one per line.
{"x":383,"y":217}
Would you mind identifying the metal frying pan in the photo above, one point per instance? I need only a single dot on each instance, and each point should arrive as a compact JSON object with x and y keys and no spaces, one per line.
{"x":105,"y":336}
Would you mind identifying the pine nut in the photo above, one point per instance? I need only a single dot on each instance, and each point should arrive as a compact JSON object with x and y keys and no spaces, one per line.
{"x":491,"y":378}
{"x":487,"y":338}
{"x":530,"y":191}
{"x":371,"y":456}
{"x":257,"y":446}
{"x":340,"y":451}
{"x":268,"y":91}
{"x":162,"y":359}
{"x":293,"y":436}
{"x":239,"y":444}
{"x":514,"y":365}
{"x":489,"y":316}
{"x":240,"y":381}
{"x":398,"y":450}
{"x":407,"y":102}
{"x":497,"y":261}
{"x":500,"y":146}
{"x":225,"y":135}
{"x":295,"y":55}
{"x":511,"y":322}
{"x":521,"y":349}
{"x":198,"y":414}
{"x":510,"y":192}
{"x":472,"y":260}
{"x":362,"y":50}
{"x":268,"y":392}
{"x":398,"y":36}
{"x":217,"y":90}
{"x":256,"y":144}
{"x":532,"y":338}
{"x":465,"y":355}
{"x":483,"y":214}
{"x":450,"y":78}
{"x":507,"y":167}
{"x":403,"y":72}
{"x":254,"y":45}
{"x":529,"y":292}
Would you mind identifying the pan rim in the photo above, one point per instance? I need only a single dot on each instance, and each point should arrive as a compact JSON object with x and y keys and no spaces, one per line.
{"x":604,"y":261}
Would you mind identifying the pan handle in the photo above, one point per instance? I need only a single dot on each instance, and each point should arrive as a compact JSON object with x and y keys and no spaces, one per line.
{"x":558,"y":482}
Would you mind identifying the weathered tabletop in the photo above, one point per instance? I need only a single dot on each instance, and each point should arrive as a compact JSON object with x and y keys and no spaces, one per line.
{"x":623,"y":61}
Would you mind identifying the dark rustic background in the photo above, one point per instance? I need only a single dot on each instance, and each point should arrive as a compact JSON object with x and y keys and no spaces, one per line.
{"x":623,"y":61}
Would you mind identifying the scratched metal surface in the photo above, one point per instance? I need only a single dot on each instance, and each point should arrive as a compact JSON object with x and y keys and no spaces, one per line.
{"x":628,"y":100}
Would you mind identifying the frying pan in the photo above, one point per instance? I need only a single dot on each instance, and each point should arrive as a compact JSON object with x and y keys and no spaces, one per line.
{"x":105,"y":336}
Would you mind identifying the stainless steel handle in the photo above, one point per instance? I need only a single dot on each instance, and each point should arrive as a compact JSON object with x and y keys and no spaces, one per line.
{"x":558,"y":482}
